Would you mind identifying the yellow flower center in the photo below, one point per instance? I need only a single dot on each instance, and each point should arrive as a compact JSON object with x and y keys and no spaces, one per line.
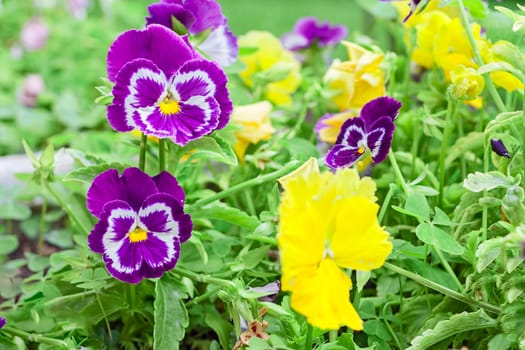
{"x":169,"y":106}
{"x":361,"y":150}
{"x":137,"y":235}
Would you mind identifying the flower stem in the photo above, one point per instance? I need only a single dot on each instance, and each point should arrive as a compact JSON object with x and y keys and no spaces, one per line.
{"x":449,"y":126}
{"x":397,"y":171}
{"x":386,"y":202}
{"x":42,"y":229}
{"x":477,"y":55}
{"x":203,"y":278}
{"x":247,"y":184}
{"x":447,"y":267}
{"x":142,"y":151}
{"x":162,"y":155}
{"x":309,"y":337}
{"x":300,"y":120}
{"x":36,"y":338}
{"x":441,"y":289}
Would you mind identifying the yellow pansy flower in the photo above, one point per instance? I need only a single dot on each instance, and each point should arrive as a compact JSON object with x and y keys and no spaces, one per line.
{"x":467,"y":84}
{"x":358,"y":80}
{"x":497,"y":53}
{"x":329,"y":125}
{"x":328,"y":224}
{"x":269,"y":54}
{"x":254,"y":125}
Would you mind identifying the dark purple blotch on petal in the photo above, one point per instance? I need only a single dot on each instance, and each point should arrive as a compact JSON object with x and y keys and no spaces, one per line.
{"x":499,"y":148}
{"x":308,"y":31}
{"x":162,"y":13}
{"x":352,"y":132}
{"x":380,"y":107}
{"x":342,"y":156}
{"x":379,"y":138}
{"x":2,"y":322}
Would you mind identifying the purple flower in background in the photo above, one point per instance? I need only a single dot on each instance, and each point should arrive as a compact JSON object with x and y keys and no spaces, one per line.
{"x":78,"y":8}
{"x":2,"y":322}
{"x":163,"y":88}
{"x":198,"y":16}
{"x":32,"y":87}
{"x":34,"y":34}
{"x":372,"y":130}
{"x":308,"y":31}
{"x":499,"y":148}
{"x":141,"y":223}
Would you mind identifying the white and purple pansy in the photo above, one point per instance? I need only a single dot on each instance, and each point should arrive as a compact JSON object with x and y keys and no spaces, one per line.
{"x":199,"y":16}
{"x":141,"y":223}
{"x":163,"y":88}
{"x":372,"y":131}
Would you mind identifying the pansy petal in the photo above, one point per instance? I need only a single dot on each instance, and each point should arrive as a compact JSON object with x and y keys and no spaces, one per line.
{"x":139,"y":85}
{"x":352,"y":133}
{"x":359,"y":242}
{"x":2,"y":322}
{"x":210,"y":73}
{"x":379,"y":107}
{"x":221,"y":46}
{"x":167,"y":183}
{"x":161,"y":13}
{"x":156,"y":43}
{"x":379,"y":138}
{"x":133,"y":186}
{"x":342,"y":156}
{"x":208,"y":14}
{"x":322,"y":295}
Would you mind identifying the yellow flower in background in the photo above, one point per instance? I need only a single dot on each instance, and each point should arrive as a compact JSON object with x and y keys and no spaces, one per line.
{"x":502,"y":51}
{"x":139,"y":134}
{"x":467,"y":84}
{"x":358,"y":80}
{"x":254,"y":125}
{"x":328,"y":223}
{"x":272,"y":61}
{"x":329,"y":125}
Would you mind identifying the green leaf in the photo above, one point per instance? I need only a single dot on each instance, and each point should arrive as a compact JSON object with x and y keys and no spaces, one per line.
{"x":220,"y":326}
{"x":8,"y":244}
{"x":171,"y":316}
{"x":500,"y":342}
{"x":471,"y":142}
{"x":223,"y":212}
{"x":488,"y":251}
{"x":456,"y":324}
{"x":479,"y":181}
{"x":438,"y":238}
{"x":208,"y":147}
{"x":87,"y":174}
{"x":417,"y":204}
{"x":441,"y":218}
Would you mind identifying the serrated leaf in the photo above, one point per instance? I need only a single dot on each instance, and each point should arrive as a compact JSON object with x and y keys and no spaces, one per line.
{"x":171,"y":316}
{"x":87,"y":174}
{"x":456,"y":324}
{"x":487,"y":252}
{"x":223,"y":212}
{"x":479,"y":181}
{"x":208,"y":147}
{"x":438,"y":238}
{"x":417,"y":204}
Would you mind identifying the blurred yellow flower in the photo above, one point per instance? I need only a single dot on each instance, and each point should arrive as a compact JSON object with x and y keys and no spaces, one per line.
{"x":358,"y":80}
{"x":137,"y":133}
{"x":502,"y":51}
{"x":329,"y":125}
{"x":272,"y":63}
{"x":328,"y":223}
{"x":467,"y":84}
{"x":254,"y":125}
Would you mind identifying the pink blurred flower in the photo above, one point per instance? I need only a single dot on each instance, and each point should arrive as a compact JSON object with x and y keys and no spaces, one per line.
{"x":78,"y":8}
{"x":34,"y":34}
{"x":32,"y":86}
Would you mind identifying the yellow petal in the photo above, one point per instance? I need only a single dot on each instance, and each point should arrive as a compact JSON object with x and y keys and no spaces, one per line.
{"x":322,"y":295}
{"x":358,"y":241}
{"x":304,"y":171}
{"x":332,"y":125}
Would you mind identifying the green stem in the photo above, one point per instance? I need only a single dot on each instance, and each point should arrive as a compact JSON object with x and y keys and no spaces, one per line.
{"x":197,"y":300}
{"x":263,"y":239}
{"x":386,"y":202}
{"x":249,"y":203}
{"x":462,"y":161}
{"x":162,"y":155}
{"x":142,"y":152}
{"x":523,"y":140}
{"x":444,"y":145}
{"x":485,"y":210}
{"x":34,"y":338}
{"x":65,"y":206}
{"x":203,"y":278}
{"x":300,"y":120}
{"x":447,"y":267}
{"x":477,"y":55}
{"x":441,"y":289}
{"x":397,"y":171}
{"x":247,"y":184}
{"x":42,"y":229}
{"x":73,"y":297}
{"x":309,"y":337}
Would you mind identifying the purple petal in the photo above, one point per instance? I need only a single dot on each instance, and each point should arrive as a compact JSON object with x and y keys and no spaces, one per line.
{"x":161,"y":13}
{"x":221,"y":46}
{"x":139,"y":85}
{"x":167,"y":183}
{"x":379,"y":138}
{"x":208,"y":14}
{"x":133,"y":187}
{"x":155,"y":43}
{"x":310,"y":31}
{"x":352,"y":133}
{"x":499,"y":148}
{"x":379,"y":107}
{"x":216,"y":75}
{"x":295,"y":42}
{"x":2,"y":322}
{"x":341,"y":156}
{"x":116,"y":221}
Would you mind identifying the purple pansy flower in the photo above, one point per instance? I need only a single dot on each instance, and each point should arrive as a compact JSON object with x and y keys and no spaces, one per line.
{"x":499,"y":148}
{"x":2,"y":322}
{"x":141,"y":223}
{"x":308,"y":31}
{"x":372,"y":130}
{"x":198,"y":16}
{"x":163,"y":88}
